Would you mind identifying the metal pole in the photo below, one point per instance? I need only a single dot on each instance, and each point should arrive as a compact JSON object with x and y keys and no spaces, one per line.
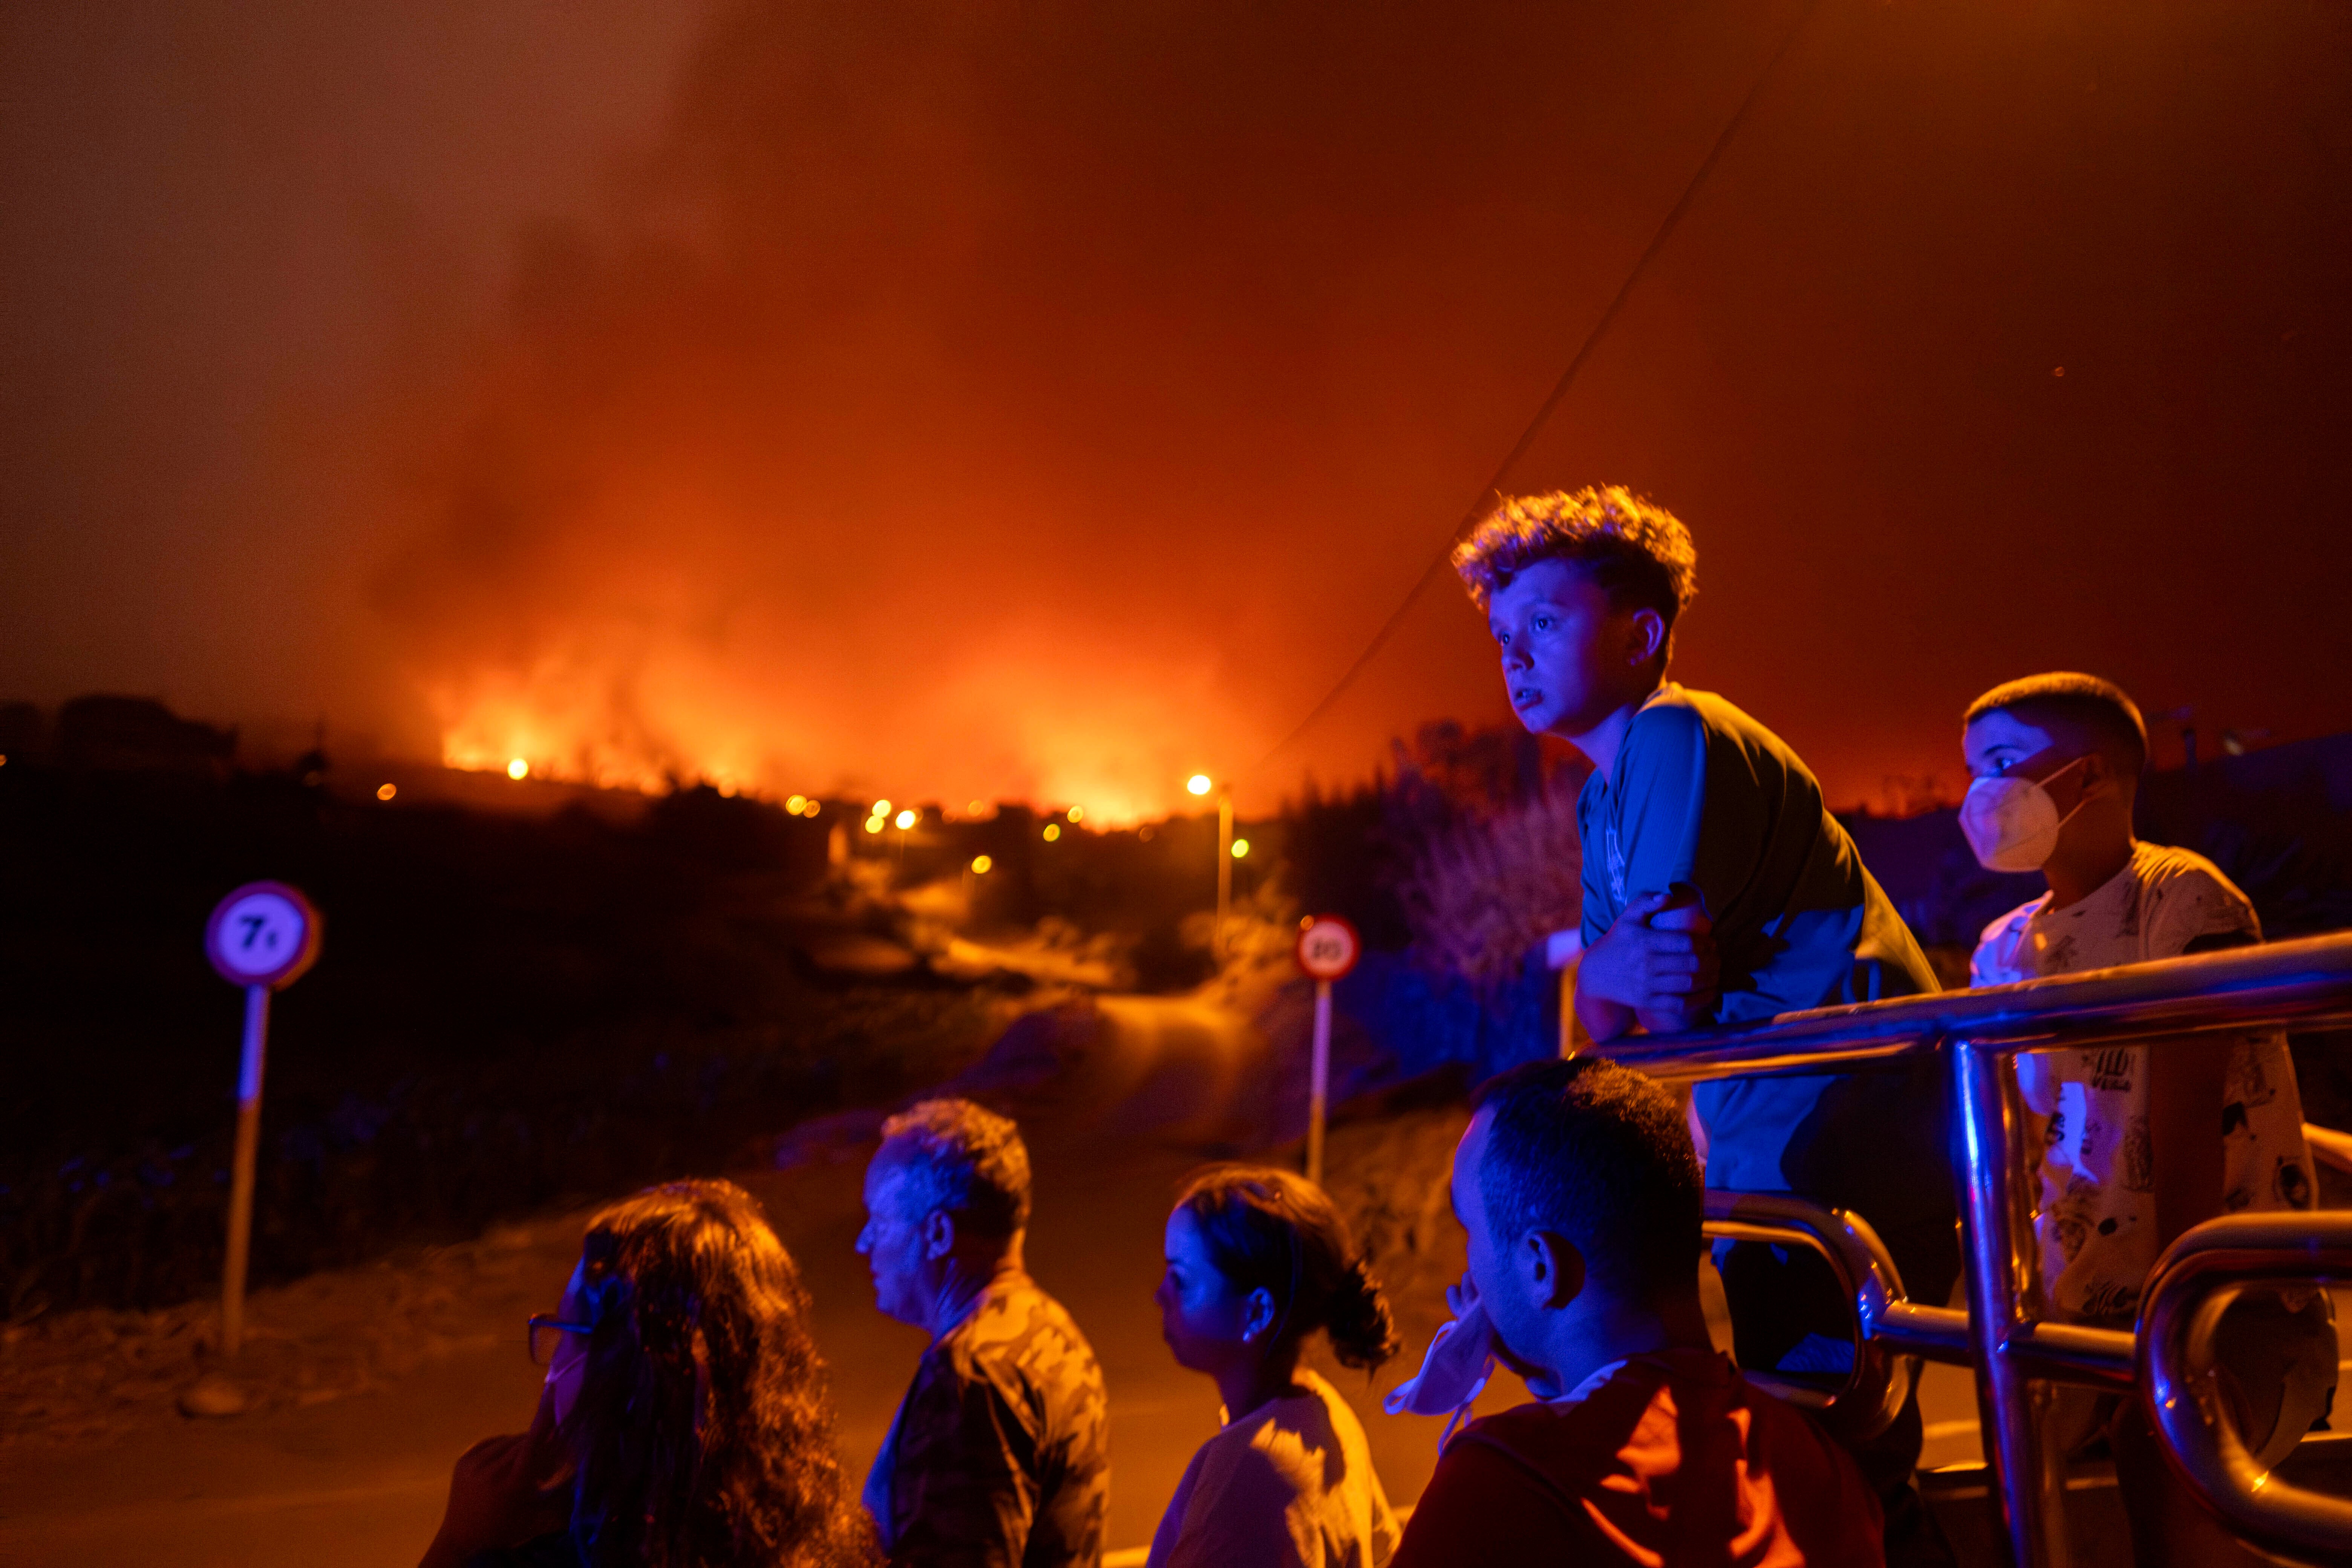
{"x":2003,"y":1296}
{"x":1319,"y":1092}
{"x":1224,"y":867}
{"x":240,"y":1194}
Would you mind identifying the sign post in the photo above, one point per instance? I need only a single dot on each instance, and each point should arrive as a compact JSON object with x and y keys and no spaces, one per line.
{"x":1328,"y":948}
{"x":262,"y":937}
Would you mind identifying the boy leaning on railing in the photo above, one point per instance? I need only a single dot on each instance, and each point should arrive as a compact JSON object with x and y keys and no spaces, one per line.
{"x":1719,"y":889}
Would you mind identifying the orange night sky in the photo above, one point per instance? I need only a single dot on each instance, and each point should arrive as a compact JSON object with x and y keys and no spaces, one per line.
{"x":984,"y":399}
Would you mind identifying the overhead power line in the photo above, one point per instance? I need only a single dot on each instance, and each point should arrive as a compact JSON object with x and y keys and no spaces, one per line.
{"x":1478,"y":506}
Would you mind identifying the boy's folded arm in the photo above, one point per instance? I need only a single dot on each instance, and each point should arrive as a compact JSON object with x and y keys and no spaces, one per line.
{"x":1642,"y":972}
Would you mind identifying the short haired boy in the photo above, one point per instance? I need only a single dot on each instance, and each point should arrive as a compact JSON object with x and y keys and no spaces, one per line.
{"x":2137,"y":1144}
{"x":1719,"y":889}
{"x":1580,"y":1191}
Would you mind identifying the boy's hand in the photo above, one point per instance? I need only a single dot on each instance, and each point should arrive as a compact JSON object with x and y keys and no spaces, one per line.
{"x":1657,"y":960}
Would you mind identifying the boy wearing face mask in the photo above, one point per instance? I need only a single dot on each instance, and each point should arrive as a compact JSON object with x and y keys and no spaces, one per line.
{"x":2138,"y":1144}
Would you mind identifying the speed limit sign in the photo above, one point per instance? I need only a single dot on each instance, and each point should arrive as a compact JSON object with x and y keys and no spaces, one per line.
{"x":261,"y":938}
{"x":265,"y":933}
{"x":1328,"y":947}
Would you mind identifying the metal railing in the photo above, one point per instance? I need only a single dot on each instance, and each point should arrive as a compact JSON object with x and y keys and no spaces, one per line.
{"x":2017,"y":1353}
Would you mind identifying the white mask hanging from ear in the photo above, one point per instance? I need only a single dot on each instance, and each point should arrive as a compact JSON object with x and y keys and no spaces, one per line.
{"x":2012,"y":823}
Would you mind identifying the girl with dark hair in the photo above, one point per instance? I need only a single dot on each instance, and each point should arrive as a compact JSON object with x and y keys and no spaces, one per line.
{"x":1259,"y":1259}
{"x":685,"y":1421}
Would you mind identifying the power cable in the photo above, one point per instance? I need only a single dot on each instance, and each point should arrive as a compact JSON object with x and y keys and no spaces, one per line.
{"x":1477,"y":508}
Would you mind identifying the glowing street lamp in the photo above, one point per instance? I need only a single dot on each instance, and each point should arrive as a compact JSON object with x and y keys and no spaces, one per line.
{"x":981,"y":865}
{"x":906,"y":819}
{"x":1227,"y":851}
{"x":1241,"y":848}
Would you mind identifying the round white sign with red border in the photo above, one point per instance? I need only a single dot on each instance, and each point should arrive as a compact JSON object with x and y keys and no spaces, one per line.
{"x":1327,"y":946}
{"x":265,"y":933}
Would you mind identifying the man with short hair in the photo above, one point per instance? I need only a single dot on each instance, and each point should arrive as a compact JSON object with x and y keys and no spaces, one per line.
{"x":1580,"y":1190}
{"x":1000,"y":1454}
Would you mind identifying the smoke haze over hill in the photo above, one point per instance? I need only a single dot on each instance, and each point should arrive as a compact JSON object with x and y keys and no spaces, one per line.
{"x":980,"y":400}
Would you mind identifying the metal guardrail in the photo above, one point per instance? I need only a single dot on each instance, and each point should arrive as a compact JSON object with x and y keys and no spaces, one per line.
{"x":2017,"y":1353}
{"x":2193,"y":1285}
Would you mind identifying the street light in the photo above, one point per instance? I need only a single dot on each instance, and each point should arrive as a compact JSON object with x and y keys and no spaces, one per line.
{"x":1202,"y":783}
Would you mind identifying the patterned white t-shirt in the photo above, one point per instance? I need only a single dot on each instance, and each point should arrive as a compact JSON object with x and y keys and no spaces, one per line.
{"x":2096,"y":1216}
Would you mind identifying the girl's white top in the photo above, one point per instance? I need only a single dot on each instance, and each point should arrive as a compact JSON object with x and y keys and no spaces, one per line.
{"x":1290,"y":1485}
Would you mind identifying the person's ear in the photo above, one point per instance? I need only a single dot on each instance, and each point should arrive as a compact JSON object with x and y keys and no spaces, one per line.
{"x":939,"y":1234}
{"x":1257,"y":1315}
{"x":1645,"y":637}
{"x":1551,"y":1267}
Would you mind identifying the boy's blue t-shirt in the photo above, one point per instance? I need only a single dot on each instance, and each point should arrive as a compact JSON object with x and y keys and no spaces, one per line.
{"x":1703,"y":794}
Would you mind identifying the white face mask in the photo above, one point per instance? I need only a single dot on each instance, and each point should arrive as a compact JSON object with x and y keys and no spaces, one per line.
{"x":2011,"y":822}
{"x":1452,"y":1375}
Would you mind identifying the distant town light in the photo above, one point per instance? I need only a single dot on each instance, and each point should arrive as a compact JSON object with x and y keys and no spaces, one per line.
{"x":793,"y":804}
{"x":980,"y":863}
{"x":1078,"y":813}
{"x":978,"y":806}
{"x":873,"y":825}
{"x":881,"y":808}
{"x":518,"y":769}
{"x":813,"y":807}
{"x":1241,"y":848}
{"x":386,"y":792}
{"x":1199,"y":784}
{"x":906,"y":819}
{"x":1053,"y":831}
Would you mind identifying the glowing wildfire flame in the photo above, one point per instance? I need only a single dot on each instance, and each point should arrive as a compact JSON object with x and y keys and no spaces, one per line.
{"x":651,"y":720}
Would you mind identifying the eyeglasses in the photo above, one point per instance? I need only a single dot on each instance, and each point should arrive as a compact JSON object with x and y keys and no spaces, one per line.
{"x":545,"y":1330}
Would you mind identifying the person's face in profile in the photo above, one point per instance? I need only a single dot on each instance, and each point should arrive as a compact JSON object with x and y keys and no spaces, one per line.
{"x":568,"y":1365}
{"x":1568,"y":656}
{"x":892,"y":1240}
{"x":1498,"y":1287}
{"x":1204,"y":1318}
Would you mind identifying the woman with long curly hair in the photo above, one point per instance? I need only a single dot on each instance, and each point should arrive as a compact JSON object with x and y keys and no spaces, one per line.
{"x":1257,"y":1261}
{"x":686,"y":1421}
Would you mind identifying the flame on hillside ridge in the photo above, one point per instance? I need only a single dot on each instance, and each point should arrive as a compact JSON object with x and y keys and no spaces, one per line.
{"x":934,"y":415}
{"x":654,"y":718}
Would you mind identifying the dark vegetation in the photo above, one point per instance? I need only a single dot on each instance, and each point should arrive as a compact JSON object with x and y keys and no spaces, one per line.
{"x":1454,"y":865}
{"x":509,"y":1012}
